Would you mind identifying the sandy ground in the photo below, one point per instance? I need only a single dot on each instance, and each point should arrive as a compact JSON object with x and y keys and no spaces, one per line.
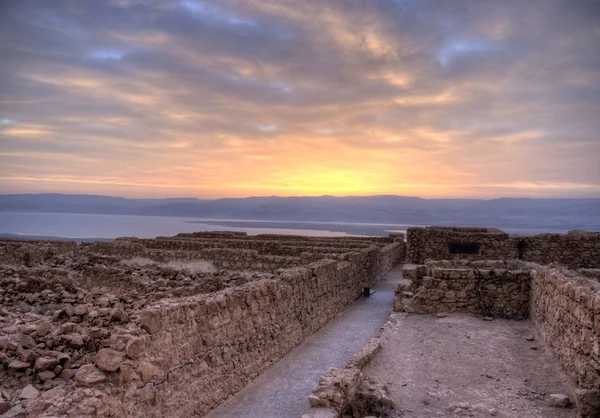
{"x":282,"y":390}
{"x":461,"y":365}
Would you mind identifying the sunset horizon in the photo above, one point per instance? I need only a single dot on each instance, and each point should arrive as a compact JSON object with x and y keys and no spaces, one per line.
{"x":235,"y":99}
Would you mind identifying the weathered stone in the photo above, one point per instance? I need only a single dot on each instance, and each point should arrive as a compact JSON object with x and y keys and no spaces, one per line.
{"x":68,"y":328}
{"x":27,"y":341}
{"x":46,"y":375}
{"x":89,"y":375}
{"x":150,"y":321}
{"x":148,"y":371}
{"x":108,"y":360}
{"x":45,"y":363}
{"x":17,"y":364}
{"x":67,"y":374}
{"x":29,"y":392}
{"x":135,"y":348}
{"x":6,"y":344}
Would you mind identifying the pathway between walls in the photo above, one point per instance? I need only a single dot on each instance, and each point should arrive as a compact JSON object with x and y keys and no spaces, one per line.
{"x":282,"y":390}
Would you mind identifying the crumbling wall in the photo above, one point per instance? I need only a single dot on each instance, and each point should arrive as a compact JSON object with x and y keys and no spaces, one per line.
{"x":432,"y":243}
{"x":574,"y":250}
{"x":96,"y":334}
{"x":566,"y":309}
{"x":34,"y":252}
{"x":482,"y":287}
{"x":200,"y":350}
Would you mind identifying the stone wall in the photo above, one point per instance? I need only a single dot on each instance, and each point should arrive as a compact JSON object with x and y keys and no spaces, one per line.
{"x":575,"y":249}
{"x":90,"y":332}
{"x":481,"y":287}
{"x":566,"y":309}
{"x":432,"y":243}
{"x":200,"y":350}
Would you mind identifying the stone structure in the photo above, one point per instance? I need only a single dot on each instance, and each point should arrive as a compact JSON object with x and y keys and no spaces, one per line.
{"x":490,"y":288}
{"x":84,"y":334}
{"x":575,"y":249}
{"x":444,"y":243}
{"x":173,"y":326}
{"x":486,"y":272}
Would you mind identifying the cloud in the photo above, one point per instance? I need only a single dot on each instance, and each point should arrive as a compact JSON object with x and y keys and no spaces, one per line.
{"x":235,"y":98}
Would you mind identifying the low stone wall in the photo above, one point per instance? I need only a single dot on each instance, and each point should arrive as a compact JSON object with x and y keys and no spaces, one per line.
{"x":566,"y":309}
{"x":200,"y":350}
{"x":483,"y":288}
{"x":575,"y":249}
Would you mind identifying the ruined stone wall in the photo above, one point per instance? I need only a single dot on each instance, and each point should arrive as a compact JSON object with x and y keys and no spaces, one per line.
{"x":97,"y":334}
{"x":482,"y":287}
{"x":575,"y":249}
{"x":200,"y":350}
{"x":431,"y":243}
{"x":34,"y":252}
{"x":566,"y":309}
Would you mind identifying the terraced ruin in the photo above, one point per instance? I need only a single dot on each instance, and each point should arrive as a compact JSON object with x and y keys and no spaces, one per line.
{"x":174,"y":326}
{"x":169,"y":326}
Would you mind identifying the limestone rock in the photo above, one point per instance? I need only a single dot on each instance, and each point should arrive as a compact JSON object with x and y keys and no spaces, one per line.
{"x":29,"y":392}
{"x":17,"y":365}
{"x":89,"y":375}
{"x":108,"y":360}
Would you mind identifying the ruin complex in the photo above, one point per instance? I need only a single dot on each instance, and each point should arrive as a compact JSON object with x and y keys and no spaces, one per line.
{"x":173,"y":326}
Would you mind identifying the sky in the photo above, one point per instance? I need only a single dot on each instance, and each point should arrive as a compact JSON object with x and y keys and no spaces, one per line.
{"x":235,"y":98}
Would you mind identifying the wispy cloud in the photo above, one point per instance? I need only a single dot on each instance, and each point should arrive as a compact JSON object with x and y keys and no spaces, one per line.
{"x":235,"y":98}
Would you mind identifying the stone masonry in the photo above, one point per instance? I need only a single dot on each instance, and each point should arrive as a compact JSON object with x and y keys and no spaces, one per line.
{"x":86,"y":332}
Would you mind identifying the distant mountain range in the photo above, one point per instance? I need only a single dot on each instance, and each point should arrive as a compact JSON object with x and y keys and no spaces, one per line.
{"x":505,"y":212}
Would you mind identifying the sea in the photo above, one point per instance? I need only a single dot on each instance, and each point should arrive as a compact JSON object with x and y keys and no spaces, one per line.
{"x":89,"y":227}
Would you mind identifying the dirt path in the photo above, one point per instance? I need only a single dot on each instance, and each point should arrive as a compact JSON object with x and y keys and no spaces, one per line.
{"x":461,"y":365}
{"x":282,"y":391}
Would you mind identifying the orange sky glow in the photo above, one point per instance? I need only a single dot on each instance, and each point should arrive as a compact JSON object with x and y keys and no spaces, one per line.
{"x":235,"y":99}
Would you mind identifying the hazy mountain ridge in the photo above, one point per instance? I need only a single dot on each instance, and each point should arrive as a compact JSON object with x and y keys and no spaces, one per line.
{"x":517,"y":212}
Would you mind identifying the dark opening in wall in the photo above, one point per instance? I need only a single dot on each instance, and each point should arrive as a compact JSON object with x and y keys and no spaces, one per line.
{"x":470,"y":248}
